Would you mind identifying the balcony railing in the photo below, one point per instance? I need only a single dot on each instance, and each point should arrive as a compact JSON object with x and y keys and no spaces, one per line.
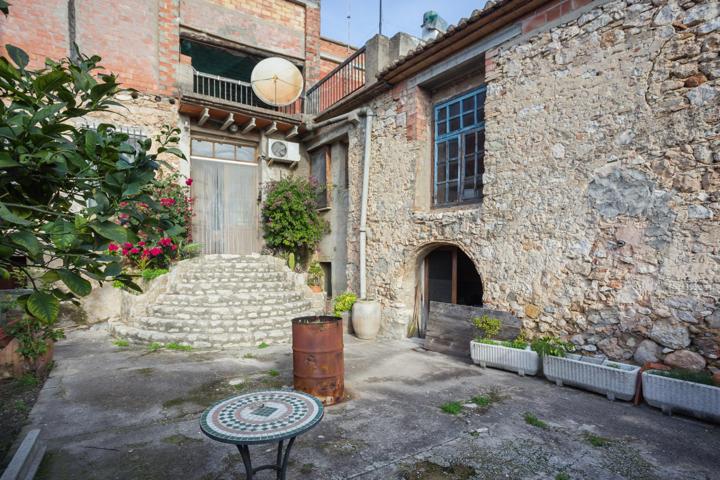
{"x":236,"y":91}
{"x":346,"y":78}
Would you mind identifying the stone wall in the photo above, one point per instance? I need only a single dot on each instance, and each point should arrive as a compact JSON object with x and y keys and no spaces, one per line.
{"x":602,"y":185}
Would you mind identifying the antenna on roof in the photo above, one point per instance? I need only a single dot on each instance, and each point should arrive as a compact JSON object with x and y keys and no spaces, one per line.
{"x":380,"y":21}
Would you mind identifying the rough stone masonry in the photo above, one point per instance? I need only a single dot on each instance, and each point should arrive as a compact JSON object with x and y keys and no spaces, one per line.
{"x":602,"y":185}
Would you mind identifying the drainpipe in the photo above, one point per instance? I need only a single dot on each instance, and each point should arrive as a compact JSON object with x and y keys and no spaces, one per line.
{"x":368,"y":113}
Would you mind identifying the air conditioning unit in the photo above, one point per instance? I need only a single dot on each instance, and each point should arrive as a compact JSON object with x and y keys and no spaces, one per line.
{"x":283,"y":151}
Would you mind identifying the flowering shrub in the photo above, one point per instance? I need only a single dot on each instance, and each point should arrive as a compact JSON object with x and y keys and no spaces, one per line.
{"x":144,"y":255}
{"x":290,"y":217}
{"x":163,"y":210}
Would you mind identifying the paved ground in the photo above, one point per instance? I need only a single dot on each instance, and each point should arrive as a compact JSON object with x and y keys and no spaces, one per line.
{"x":126,"y":413}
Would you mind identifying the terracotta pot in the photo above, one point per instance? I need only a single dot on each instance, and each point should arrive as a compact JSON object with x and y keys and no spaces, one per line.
{"x":366,"y":319}
{"x":12,"y":364}
{"x":316,"y":288}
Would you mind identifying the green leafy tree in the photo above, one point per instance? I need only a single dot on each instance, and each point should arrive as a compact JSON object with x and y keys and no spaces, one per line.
{"x":62,"y":183}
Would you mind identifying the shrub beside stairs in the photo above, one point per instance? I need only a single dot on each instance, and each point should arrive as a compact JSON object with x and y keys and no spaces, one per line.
{"x":218,"y":301}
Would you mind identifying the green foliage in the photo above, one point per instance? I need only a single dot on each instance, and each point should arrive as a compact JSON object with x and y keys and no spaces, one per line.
{"x":552,"y":346}
{"x":596,"y":440}
{"x":263,"y":345}
{"x":344,"y":303}
{"x":190,"y":250}
{"x":562,"y":476}
{"x":482,"y":400}
{"x":452,"y":408}
{"x":315,"y":275}
{"x":248,"y":355}
{"x":488,"y":325}
{"x":290,"y":217}
{"x":155,"y":346}
{"x":62,"y":185}
{"x":4,"y":7}
{"x":29,"y":380}
{"x":517,"y":343}
{"x":153,"y":273}
{"x":531,"y":419}
{"x":704,"y":378}
{"x":121,"y":343}
{"x":178,"y":347}
{"x":273,"y":373}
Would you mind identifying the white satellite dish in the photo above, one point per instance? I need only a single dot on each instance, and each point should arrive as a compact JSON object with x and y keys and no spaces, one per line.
{"x":276,"y":81}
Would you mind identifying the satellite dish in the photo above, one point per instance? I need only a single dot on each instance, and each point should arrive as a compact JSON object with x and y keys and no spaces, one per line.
{"x":276,"y":81}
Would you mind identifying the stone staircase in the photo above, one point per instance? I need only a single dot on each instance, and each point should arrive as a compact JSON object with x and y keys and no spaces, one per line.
{"x":218,"y":301}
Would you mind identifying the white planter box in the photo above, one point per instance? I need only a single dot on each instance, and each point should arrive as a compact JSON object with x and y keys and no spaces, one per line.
{"x":672,"y":394}
{"x":592,"y":374}
{"x":524,"y":362}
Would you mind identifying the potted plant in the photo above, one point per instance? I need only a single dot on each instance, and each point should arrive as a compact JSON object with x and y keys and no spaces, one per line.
{"x":315,"y":277}
{"x":513,"y":355}
{"x":683,"y":391}
{"x":613,"y":379}
{"x":342,"y":306}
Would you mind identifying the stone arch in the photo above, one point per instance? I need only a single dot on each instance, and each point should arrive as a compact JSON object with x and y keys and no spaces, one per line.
{"x":409,"y":279}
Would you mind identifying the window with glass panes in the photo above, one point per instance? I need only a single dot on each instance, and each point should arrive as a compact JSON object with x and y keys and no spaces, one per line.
{"x":459,"y":149}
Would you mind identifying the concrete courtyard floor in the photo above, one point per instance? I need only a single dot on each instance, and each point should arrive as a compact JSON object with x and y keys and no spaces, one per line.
{"x":109,"y":412}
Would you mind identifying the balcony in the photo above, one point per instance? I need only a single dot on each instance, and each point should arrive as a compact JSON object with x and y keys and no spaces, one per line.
{"x":345,"y":79}
{"x":215,"y":90}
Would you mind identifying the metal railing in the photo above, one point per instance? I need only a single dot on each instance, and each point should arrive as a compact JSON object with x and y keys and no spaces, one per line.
{"x":346,"y":78}
{"x":236,"y":91}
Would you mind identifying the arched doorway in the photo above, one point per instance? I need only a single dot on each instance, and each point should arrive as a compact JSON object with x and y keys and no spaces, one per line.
{"x":448,"y":275}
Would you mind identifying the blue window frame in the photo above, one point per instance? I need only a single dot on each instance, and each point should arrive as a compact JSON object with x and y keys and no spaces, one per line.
{"x":459,"y":149}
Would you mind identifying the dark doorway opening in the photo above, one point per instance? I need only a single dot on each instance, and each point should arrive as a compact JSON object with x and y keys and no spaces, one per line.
{"x":448,"y":275}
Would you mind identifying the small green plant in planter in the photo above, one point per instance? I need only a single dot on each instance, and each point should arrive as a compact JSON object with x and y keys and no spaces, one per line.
{"x":344,"y":303}
{"x":315,"y":277}
{"x":552,"y":346}
{"x":704,"y":378}
{"x":488,"y":325}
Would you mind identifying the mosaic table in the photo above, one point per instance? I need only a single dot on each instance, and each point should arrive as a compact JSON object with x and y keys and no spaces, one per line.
{"x":262,"y":417}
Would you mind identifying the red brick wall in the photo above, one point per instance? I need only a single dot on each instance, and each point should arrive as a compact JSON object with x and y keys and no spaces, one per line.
{"x":551,"y":12}
{"x":29,"y":22}
{"x":332,"y":54}
{"x":125,"y":35}
{"x":312,"y":44}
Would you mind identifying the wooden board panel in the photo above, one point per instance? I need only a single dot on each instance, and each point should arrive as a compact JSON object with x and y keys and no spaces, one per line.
{"x":450,"y":327}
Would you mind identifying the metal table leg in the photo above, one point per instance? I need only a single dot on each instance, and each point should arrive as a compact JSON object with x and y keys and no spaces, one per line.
{"x":280,"y":465}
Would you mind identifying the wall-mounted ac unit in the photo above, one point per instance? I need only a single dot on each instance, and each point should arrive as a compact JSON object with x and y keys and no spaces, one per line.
{"x":283,"y":151}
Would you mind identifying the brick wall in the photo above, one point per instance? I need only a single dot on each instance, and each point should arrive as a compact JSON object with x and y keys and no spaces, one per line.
{"x":126,"y":39}
{"x":312,"y":44}
{"x":332,"y":54}
{"x":22,"y":29}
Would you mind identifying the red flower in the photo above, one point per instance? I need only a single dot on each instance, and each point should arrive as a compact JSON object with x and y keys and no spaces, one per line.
{"x":188,"y":181}
{"x":141,"y":244}
{"x":134,"y":251}
{"x":155,"y":251}
{"x":167,"y":202}
{"x":165,"y":242}
{"x":123,"y":216}
{"x":125,"y":251}
{"x":173,"y":247}
{"x":146,"y":253}
{"x":113,"y":248}
{"x":127,"y":245}
{"x":123,"y":204}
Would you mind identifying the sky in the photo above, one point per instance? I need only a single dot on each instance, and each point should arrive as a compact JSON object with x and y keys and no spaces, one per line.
{"x":398,"y":16}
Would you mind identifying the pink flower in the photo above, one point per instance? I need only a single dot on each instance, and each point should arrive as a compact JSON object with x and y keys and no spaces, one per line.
{"x":173,"y":247}
{"x":113,"y":248}
{"x":141,"y":244}
{"x":123,"y":204}
{"x":165,"y":242}
{"x":188,"y":181}
{"x":123,"y":216}
{"x":167,"y":202}
{"x":146,"y":253}
{"x":127,"y":245}
{"x":155,"y":251}
{"x":125,"y":251}
{"x":134,"y":251}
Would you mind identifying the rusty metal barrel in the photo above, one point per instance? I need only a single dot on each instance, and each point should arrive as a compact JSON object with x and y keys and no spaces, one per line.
{"x":318,"y":360}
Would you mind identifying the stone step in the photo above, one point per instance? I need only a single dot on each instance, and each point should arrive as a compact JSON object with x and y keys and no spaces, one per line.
{"x":243,"y":325}
{"x":219,"y":312}
{"x":231,"y":268}
{"x":230,"y":287}
{"x":200,"y":340}
{"x":214,"y":276}
{"x":229,"y":298}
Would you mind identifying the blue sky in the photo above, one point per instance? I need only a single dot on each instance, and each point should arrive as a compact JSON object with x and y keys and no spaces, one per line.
{"x":398,"y":15}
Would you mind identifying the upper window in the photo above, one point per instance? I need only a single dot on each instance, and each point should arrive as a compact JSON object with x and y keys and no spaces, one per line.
{"x":222,"y":151}
{"x":459,"y":149}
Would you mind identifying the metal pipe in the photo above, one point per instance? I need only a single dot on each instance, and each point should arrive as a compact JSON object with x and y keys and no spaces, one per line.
{"x":363,"y":203}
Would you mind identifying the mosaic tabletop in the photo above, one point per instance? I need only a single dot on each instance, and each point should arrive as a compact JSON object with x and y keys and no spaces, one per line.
{"x":261,"y":417}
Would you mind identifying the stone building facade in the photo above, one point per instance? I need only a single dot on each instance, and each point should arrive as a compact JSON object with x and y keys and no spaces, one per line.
{"x":601,"y":188}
